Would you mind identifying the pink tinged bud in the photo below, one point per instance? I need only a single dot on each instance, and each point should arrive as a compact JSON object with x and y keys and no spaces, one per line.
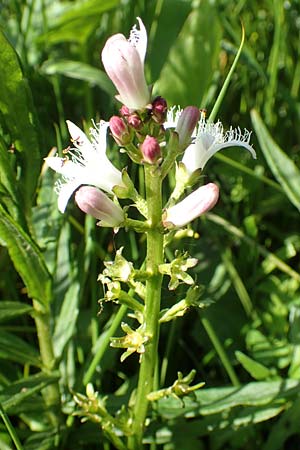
{"x":94,"y":202}
{"x":134,"y":121}
{"x":124,"y":111}
{"x":124,"y":63}
{"x":193,"y":206}
{"x":150,"y":150}
{"x":186,"y":124}
{"x":120,"y":130}
{"x":159,"y":110}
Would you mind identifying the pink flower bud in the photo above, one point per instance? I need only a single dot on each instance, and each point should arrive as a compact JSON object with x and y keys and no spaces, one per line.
{"x":94,"y":202}
{"x":120,"y":130}
{"x":159,"y":110}
{"x":124,"y":63}
{"x":134,"y":121}
{"x":186,"y":124}
{"x":124,"y":111}
{"x":150,"y":149}
{"x":193,"y":206}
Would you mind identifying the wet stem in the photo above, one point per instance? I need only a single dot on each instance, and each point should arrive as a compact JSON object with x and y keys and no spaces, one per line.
{"x":154,"y":258}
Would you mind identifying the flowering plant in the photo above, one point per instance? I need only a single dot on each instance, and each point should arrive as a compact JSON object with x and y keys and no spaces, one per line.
{"x":161,"y":141}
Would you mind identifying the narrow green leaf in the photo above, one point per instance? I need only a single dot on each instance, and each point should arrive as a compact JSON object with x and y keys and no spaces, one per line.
{"x":188,"y":71}
{"x":14,"y":394}
{"x":45,"y":440}
{"x":9,"y":192}
{"x":12,"y":348}
{"x":26,"y":257}
{"x":10,"y":430}
{"x":216,"y":400}
{"x":9,"y":310}
{"x":16,"y":106}
{"x":282,"y":167}
{"x":256,"y":369}
{"x":79,"y":71}
{"x":66,"y":321}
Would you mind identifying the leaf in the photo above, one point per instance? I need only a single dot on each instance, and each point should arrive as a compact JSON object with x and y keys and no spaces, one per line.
{"x":14,"y":394}
{"x":26,"y":257}
{"x":9,"y":310}
{"x":45,"y":440}
{"x":256,"y":369}
{"x":16,"y":106}
{"x":79,"y":71}
{"x":282,"y":167}
{"x":12,"y":348}
{"x":66,"y":321}
{"x":78,"y":22}
{"x":216,"y":400}
{"x":189,"y":68}
{"x":10,"y":194}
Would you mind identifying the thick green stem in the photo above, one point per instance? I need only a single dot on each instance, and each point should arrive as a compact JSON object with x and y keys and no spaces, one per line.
{"x":152,"y":305}
{"x":51,"y":393}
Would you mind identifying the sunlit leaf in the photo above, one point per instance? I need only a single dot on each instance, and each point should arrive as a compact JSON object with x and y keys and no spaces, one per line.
{"x":256,"y":369}
{"x":77,"y":23}
{"x":26,"y":257}
{"x":79,"y":71}
{"x":17,"y":108}
{"x":189,"y":68}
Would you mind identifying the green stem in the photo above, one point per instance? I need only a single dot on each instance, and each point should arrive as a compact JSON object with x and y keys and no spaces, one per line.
{"x":51,"y":393}
{"x":152,"y":306}
{"x":220,"y":350}
{"x":10,"y":429}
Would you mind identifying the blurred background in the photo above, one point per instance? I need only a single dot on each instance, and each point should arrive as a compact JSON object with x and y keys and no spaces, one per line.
{"x":248,"y":247}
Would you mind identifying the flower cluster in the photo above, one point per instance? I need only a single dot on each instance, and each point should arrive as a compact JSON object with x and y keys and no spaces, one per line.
{"x":142,"y":131}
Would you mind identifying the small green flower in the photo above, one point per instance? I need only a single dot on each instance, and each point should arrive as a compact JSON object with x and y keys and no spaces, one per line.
{"x":177,"y":270}
{"x":180,"y":388}
{"x":134,"y":341}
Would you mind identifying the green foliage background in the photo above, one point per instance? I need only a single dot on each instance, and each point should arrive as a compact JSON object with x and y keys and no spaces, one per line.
{"x":246,"y":346}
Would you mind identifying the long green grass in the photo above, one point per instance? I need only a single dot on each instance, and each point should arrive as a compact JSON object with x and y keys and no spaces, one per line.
{"x":246,"y":345}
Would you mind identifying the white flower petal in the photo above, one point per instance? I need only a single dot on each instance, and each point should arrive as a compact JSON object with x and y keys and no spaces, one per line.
{"x":65,"y":190}
{"x":138,"y":38}
{"x":85,"y":164}
{"x":210,"y":138}
{"x":65,"y":167}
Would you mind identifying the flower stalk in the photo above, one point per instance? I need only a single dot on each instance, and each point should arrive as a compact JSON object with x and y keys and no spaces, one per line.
{"x":152,"y":305}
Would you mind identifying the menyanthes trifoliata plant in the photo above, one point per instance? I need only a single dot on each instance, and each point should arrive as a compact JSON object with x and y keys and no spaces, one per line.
{"x":161,"y":140}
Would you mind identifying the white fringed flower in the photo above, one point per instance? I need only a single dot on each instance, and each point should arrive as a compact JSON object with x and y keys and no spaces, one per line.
{"x":88,"y":164}
{"x":208,"y":139}
{"x":123,"y":61}
{"x":194,"y":205}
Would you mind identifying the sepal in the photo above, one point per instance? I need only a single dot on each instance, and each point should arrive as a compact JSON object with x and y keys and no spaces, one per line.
{"x":134,"y":341}
{"x":177,"y":270}
{"x":180,"y":388}
{"x":192,"y":299}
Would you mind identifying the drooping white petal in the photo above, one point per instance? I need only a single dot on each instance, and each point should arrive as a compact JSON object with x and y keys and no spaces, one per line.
{"x":210,"y":138}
